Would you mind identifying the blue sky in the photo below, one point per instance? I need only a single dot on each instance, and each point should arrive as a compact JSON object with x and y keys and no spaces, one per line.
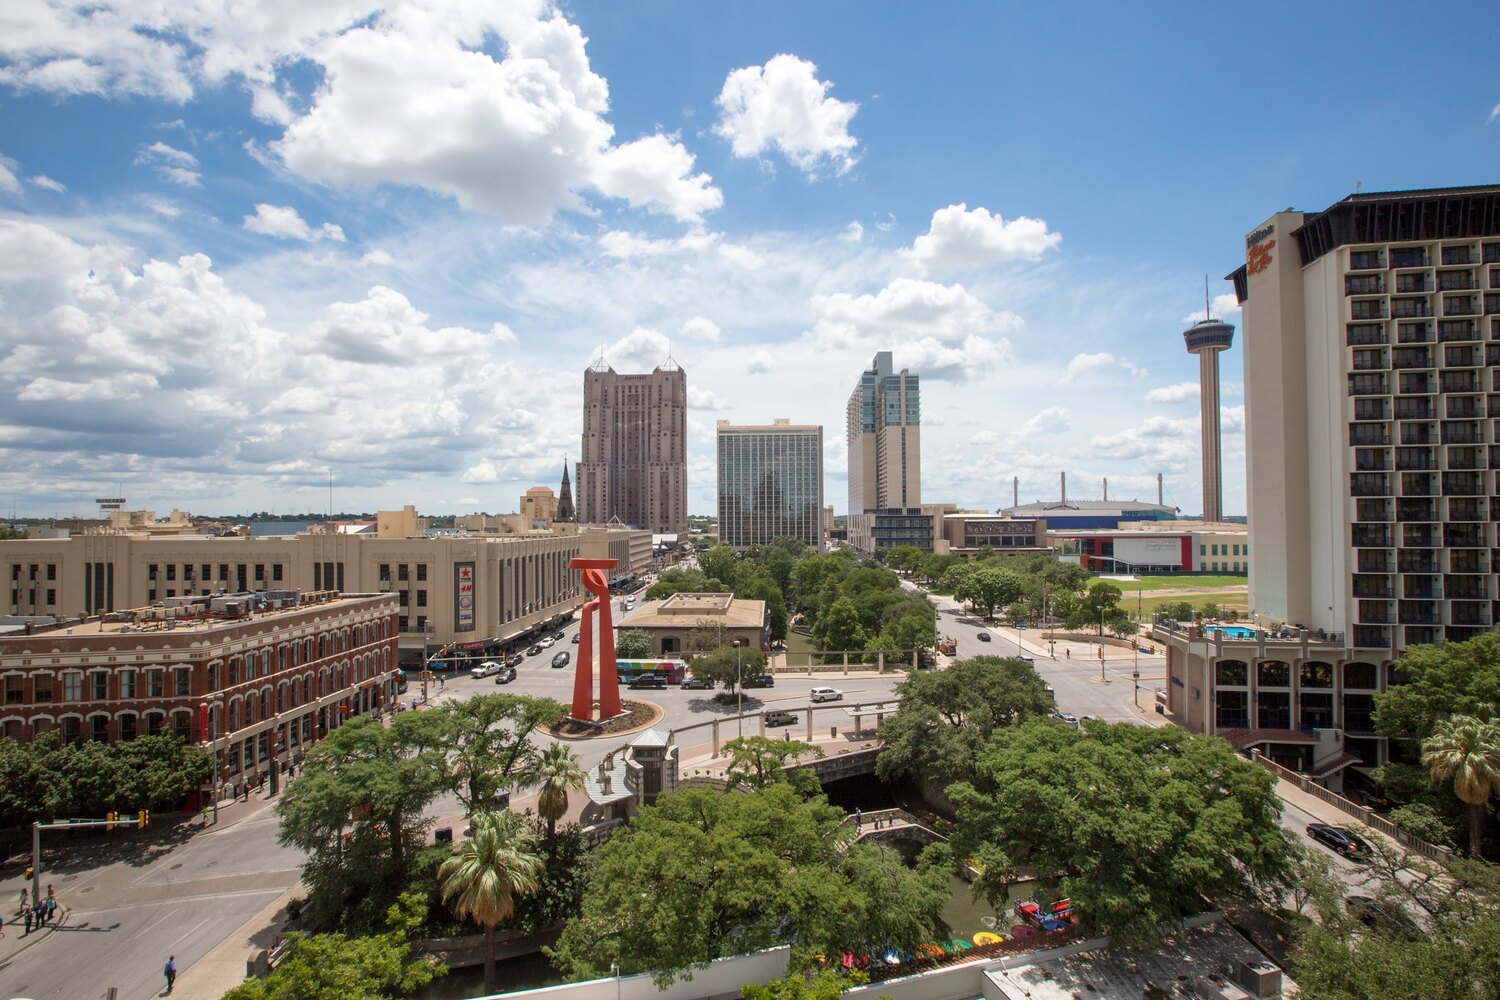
{"x":244,"y":245}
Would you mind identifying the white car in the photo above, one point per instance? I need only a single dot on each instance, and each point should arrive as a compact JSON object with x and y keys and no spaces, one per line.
{"x":547,"y":643}
{"x":488,"y":668}
{"x":826,"y":694}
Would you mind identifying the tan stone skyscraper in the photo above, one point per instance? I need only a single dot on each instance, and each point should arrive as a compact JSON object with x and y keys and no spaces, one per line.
{"x":634,"y":464}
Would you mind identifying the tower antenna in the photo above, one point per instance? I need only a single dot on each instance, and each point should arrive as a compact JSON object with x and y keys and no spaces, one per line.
{"x":1207,"y":310}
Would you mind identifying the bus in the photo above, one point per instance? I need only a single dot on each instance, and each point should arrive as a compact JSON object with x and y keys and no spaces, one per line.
{"x":673,"y":670}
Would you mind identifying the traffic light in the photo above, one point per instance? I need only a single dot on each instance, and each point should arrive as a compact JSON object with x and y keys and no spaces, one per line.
{"x":143,"y":819}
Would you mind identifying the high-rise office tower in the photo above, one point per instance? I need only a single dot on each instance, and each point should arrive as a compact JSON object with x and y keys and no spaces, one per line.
{"x":1371,"y":367}
{"x":634,"y":465}
{"x":1206,"y":338}
{"x":884,"y":417}
{"x":770,"y":483}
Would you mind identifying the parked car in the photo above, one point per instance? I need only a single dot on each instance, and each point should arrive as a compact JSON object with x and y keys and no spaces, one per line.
{"x":984,"y":637}
{"x":562,"y":659}
{"x":1029,"y":661}
{"x":515,"y":659}
{"x":548,"y":642}
{"x":1067,"y":718}
{"x":506,"y":675}
{"x":534,"y":650}
{"x":577,"y":637}
{"x":780,"y":718}
{"x":825,"y":694}
{"x":697,"y":684}
{"x":759,"y":681}
{"x":1386,"y":916}
{"x":649,"y":681}
{"x":488,"y":668}
{"x":1339,"y":841}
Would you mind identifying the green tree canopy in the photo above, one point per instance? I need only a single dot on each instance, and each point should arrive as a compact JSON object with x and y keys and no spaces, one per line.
{"x":1435,"y":682}
{"x":826,"y":985}
{"x":356,"y":810}
{"x":633,"y":644}
{"x":1466,"y":751}
{"x":990,"y":588}
{"x":335,"y":967}
{"x":1130,"y":822}
{"x":557,"y":773}
{"x":486,"y":740}
{"x":488,"y":871}
{"x":1434,"y":933}
{"x":757,"y":761}
{"x":46,"y":779}
{"x":727,"y":665}
{"x":703,"y":874}
{"x":947,"y":716}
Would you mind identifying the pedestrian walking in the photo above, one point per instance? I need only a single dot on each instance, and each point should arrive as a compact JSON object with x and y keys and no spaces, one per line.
{"x":24,"y":900}
{"x":170,"y":971}
{"x":28,"y":921}
{"x":50,"y":893}
{"x":859,"y":818}
{"x":51,"y":909}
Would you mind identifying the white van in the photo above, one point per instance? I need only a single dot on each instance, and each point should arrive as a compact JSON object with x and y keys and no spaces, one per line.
{"x":826,"y":694}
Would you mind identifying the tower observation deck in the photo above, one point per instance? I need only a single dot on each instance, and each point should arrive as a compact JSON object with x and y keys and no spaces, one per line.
{"x":1206,"y":338}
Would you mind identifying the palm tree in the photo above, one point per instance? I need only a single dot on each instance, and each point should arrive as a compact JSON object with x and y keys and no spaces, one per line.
{"x":558,"y":771}
{"x":488,"y":871}
{"x":1467,"y":750}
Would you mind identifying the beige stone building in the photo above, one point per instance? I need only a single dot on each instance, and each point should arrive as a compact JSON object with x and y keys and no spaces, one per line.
{"x":1371,"y":367}
{"x":634,"y":467}
{"x":474,"y":590}
{"x":539,"y":504}
{"x":672,"y":622}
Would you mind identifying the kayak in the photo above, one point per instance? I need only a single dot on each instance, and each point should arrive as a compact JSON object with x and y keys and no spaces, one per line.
{"x":987,"y":937}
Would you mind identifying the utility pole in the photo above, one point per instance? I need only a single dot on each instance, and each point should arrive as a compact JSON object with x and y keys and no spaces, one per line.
{"x":1136,"y":672}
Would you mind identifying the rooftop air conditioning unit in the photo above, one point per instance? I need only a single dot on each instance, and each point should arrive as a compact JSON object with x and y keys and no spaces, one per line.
{"x":1260,"y":978}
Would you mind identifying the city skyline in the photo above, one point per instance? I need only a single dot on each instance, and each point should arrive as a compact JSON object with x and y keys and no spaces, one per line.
{"x":237,"y":262}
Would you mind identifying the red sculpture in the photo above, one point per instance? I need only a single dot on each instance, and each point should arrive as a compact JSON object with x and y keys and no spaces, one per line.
{"x":596,"y":582}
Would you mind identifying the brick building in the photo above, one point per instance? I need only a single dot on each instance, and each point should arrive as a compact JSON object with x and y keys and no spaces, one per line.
{"x":254,"y":675}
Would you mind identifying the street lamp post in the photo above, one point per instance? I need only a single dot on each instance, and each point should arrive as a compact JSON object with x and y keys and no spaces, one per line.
{"x":1135,"y":673}
{"x":426,"y":666}
{"x":739,"y":686}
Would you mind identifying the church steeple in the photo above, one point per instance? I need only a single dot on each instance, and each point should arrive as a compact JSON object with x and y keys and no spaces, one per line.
{"x":565,"y":511}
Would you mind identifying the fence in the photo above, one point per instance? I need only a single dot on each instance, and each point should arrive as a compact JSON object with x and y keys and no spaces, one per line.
{"x":1365,"y":815}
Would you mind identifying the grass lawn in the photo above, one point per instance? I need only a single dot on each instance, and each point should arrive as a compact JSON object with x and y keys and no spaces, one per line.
{"x":1149,"y":605}
{"x":796,"y":642}
{"x":1180,"y":581}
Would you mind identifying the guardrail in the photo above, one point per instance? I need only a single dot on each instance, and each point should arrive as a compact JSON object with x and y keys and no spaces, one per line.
{"x":1362,"y":813}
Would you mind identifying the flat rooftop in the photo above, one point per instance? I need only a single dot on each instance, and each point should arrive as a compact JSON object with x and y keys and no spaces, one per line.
{"x":179,"y":618}
{"x":685,"y":610}
{"x":1196,"y":962}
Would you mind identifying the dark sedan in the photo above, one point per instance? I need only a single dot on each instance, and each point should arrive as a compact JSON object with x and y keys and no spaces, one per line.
{"x":697,"y":684}
{"x":1339,"y":841}
{"x":561,"y":659}
{"x":533,"y":651}
{"x":514,"y":660}
{"x":760,"y":681}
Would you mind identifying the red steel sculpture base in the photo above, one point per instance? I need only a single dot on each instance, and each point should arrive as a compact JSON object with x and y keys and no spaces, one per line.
{"x":597,"y":583}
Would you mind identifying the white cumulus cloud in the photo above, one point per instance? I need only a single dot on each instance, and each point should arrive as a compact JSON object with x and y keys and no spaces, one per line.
{"x":1176,"y":393}
{"x":8,"y":181}
{"x":284,"y":222}
{"x":852,"y":233}
{"x":1224,"y":306}
{"x":47,"y":183}
{"x":1083,"y":363}
{"x":783,"y":105}
{"x":484,"y":472}
{"x":906,"y":308}
{"x":699,"y":328}
{"x":959,"y":238}
{"x":761,"y":362}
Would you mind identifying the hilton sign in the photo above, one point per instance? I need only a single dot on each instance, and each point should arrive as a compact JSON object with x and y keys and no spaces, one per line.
{"x":1258,"y":246}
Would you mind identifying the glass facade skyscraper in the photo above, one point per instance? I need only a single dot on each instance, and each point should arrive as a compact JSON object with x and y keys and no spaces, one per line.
{"x":770,"y":483}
